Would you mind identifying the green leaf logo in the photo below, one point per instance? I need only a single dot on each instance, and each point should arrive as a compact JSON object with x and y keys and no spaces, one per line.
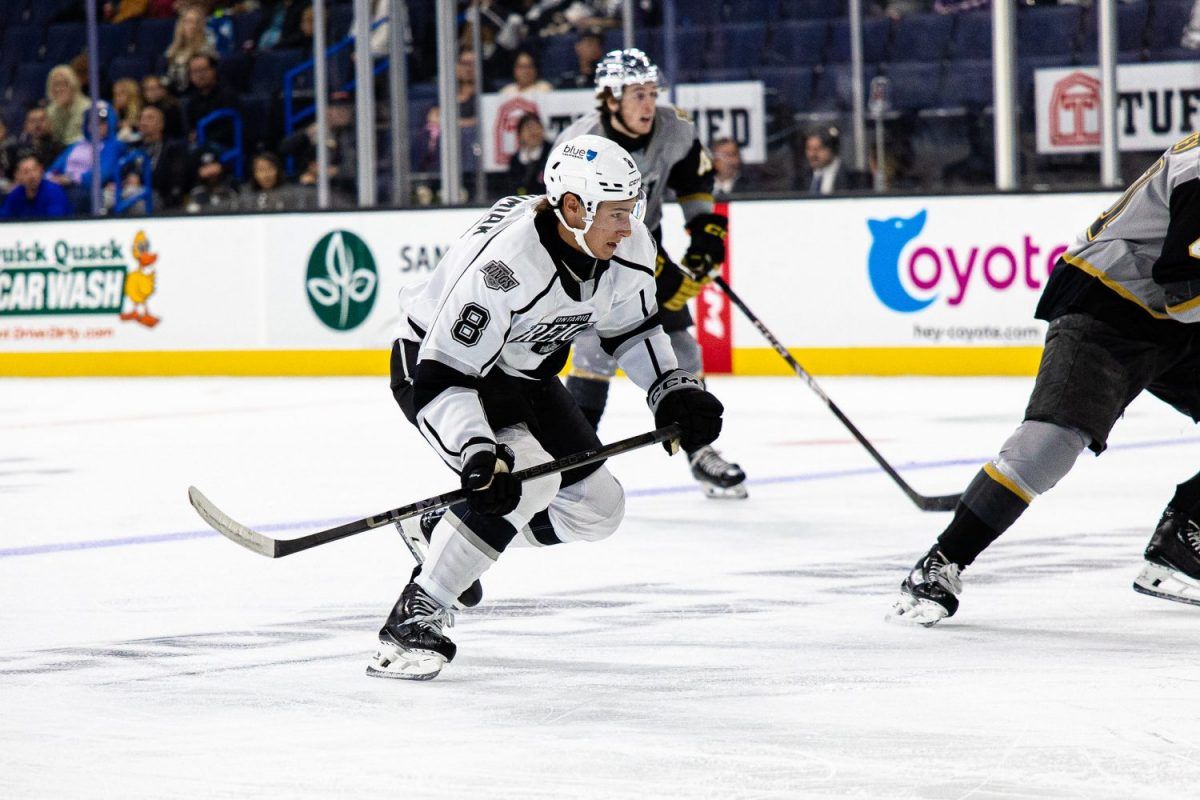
{"x":341,"y":280}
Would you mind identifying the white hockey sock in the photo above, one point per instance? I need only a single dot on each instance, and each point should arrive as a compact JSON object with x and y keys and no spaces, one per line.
{"x":453,"y":564}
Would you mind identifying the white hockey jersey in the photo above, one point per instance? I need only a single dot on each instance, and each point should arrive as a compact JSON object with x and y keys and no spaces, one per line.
{"x":507,"y":297}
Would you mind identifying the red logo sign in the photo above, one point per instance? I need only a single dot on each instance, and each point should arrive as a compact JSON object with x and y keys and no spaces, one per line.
{"x":1075,"y":111}
{"x":714,"y":317}
{"x":504,"y":133}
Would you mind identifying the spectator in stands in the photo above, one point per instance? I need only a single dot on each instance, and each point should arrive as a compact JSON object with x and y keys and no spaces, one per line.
{"x":727,"y":168}
{"x":8,"y":157}
{"x":428,"y":144}
{"x":589,"y":49}
{"x":66,"y":105}
{"x":301,"y":38}
{"x":526,"y":80}
{"x":214,"y":190}
{"x":154,"y":93}
{"x":131,"y":186}
{"x":127,"y":103}
{"x":1191,"y":33}
{"x":191,"y":39}
{"x":526,"y":166}
{"x":34,"y":196}
{"x":72,"y":170}
{"x":302,"y":145}
{"x":559,"y":17}
{"x":266,"y":190}
{"x":170,"y":162}
{"x":497,"y":60}
{"x":280,"y":21}
{"x":207,"y":95}
{"x":464,"y":73}
{"x":35,"y":138}
{"x":826,"y":173}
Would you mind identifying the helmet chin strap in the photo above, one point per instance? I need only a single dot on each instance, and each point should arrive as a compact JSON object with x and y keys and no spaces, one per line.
{"x":577,"y":232}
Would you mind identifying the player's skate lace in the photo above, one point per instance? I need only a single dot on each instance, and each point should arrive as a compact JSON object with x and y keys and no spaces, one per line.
{"x":710,"y":461}
{"x":944,"y":573}
{"x":429,"y":615}
{"x":1193,"y":535}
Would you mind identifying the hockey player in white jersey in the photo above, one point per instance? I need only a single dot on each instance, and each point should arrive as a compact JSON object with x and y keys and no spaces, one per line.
{"x":662,"y":140}
{"x":1124,"y":311}
{"x":475,"y":369}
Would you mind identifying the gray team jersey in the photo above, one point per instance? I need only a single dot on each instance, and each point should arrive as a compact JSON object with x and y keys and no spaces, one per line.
{"x":1139,"y":249}
{"x":671,"y":141}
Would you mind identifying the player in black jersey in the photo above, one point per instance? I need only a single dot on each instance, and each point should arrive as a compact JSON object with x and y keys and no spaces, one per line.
{"x":1122,"y":304}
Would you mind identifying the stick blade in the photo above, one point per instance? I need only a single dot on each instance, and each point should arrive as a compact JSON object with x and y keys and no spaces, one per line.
{"x":946,"y":502}
{"x":230,"y":528}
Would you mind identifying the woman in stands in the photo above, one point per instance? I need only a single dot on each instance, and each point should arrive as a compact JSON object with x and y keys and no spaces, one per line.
{"x":66,"y":105}
{"x":191,"y":39}
{"x":127,"y":103}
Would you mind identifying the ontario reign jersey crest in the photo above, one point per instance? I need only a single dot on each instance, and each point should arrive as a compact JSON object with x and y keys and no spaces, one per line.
{"x":549,"y":336}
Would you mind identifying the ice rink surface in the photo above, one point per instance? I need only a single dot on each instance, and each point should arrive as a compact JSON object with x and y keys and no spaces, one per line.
{"x":707,"y":650}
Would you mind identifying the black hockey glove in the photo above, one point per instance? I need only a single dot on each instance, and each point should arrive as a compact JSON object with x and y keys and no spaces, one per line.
{"x":488,"y":478}
{"x":679,"y":397}
{"x":706,"y":253}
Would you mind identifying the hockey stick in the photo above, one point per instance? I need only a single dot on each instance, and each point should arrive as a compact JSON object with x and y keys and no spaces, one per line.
{"x":925,"y":503}
{"x":264,"y":545}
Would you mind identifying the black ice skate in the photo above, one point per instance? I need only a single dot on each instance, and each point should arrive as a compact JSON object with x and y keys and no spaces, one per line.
{"x":417,"y":533}
{"x":718,"y":477}
{"x":411,"y":643}
{"x":929,"y":593}
{"x":1172,"y":568}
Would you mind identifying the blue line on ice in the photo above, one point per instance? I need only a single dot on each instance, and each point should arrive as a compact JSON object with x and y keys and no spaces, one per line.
{"x":156,"y":538}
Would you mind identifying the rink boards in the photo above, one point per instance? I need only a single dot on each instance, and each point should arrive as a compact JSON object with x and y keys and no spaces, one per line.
{"x":853,"y":286}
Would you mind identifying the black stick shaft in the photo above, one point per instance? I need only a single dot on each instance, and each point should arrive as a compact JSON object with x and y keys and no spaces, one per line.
{"x":942,"y":503}
{"x":288,"y":546}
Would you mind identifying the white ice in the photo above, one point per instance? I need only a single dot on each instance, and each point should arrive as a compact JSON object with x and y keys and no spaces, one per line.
{"x":707,"y":650}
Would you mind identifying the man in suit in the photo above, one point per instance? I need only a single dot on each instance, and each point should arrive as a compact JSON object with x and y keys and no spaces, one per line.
{"x":170,"y":161}
{"x":827,"y":174}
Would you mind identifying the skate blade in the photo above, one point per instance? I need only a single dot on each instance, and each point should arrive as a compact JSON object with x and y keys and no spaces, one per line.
{"x":911,"y":611}
{"x":1165,"y":583}
{"x":735,"y":492}
{"x":408,"y":665}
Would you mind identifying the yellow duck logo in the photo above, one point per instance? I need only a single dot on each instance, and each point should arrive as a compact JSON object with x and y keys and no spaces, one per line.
{"x":139,"y":284}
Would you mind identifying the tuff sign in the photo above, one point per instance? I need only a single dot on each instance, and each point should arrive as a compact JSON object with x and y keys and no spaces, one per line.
{"x":904,"y":255}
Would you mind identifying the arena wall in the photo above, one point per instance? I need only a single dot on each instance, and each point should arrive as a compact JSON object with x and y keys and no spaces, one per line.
{"x":882,"y":286}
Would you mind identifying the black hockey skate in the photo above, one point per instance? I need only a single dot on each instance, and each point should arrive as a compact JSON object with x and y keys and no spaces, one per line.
{"x":929,"y":593}
{"x":417,"y":532}
{"x":1172,"y":568}
{"x":411,"y":643}
{"x":717,"y":477}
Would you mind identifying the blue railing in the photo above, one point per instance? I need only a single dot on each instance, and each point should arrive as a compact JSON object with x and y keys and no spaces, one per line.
{"x":233,"y":154}
{"x":291,"y":115}
{"x":123,"y":204}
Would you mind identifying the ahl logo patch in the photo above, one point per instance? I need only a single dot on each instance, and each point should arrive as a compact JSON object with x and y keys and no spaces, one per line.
{"x":498,"y":275}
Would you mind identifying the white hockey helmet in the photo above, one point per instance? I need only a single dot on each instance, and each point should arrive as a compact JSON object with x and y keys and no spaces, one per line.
{"x":621,"y":68}
{"x":595,"y":170}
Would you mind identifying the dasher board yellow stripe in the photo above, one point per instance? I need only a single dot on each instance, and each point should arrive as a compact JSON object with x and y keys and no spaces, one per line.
{"x":942,"y":361}
{"x":203,"y":362}
{"x":927,"y":361}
